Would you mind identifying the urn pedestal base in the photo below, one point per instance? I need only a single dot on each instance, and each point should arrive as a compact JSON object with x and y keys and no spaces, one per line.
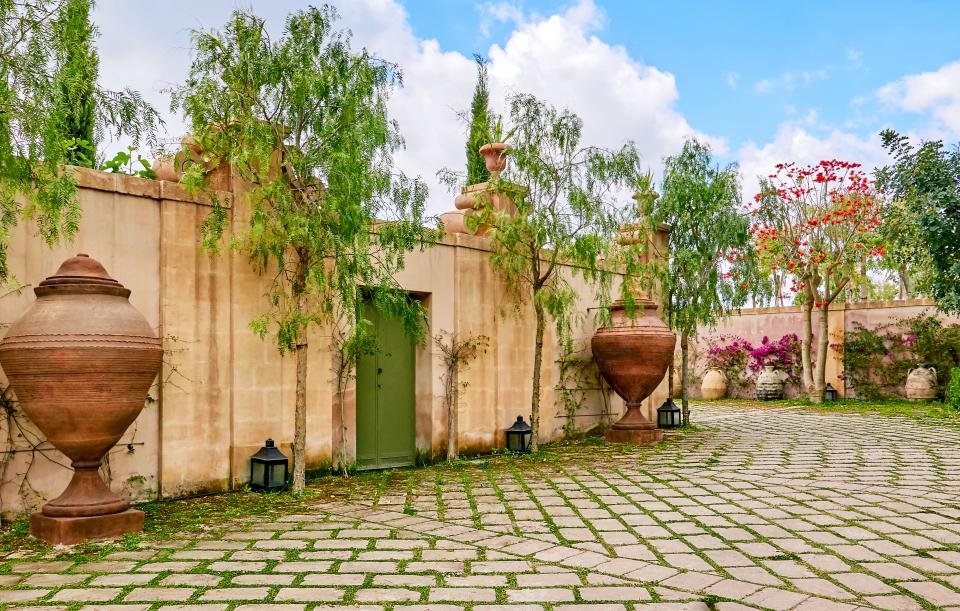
{"x":633,"y":428}
{"x":634,"y":436}
{"x":69,"y":531}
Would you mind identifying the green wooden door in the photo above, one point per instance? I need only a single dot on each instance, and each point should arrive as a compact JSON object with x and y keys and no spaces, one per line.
{"x":386,"y":401}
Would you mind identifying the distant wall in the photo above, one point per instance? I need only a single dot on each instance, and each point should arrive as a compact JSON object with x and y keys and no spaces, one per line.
{"x":223,"y":390}
{"x":753,"y":324}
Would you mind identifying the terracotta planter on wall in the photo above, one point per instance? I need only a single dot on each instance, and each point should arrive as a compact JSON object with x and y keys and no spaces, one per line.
{"x":922,"y":383}
{"x":81,"y":360}
{"x":495,"y":156}
{"x":714,"y":385}
{"x":633,"y":356}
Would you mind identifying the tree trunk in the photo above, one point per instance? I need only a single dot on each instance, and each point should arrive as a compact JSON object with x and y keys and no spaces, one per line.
{"x":823,"y":342}
{"x":670,"y":379}
{"x":537,"y":360}
{"x":452,"y":385}
{"x":300,"y":420}
{"x":864,"y":280}
{"x":806,"y":340}
{"x":904,"y":282}
{"x":300,"y":403}
{"x":684,"y":376}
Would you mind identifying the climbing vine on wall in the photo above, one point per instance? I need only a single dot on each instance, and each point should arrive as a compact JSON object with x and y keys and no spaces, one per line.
{"x":579,"y":376}
{"x":876,"y":360}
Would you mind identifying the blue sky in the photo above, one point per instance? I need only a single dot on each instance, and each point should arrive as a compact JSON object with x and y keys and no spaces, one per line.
{"x":762,"y":82}
{"x":734,"y":61}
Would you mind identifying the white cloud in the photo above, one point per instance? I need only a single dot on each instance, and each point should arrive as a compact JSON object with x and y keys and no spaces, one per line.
{"x":790,"y":81}
{"x":558,"y":58}
{"x":732,"y":79}
{"x":799,"y":141}
{"x":935,"y":93}
{"x":555,"y":58}
{"x":854,"y":58}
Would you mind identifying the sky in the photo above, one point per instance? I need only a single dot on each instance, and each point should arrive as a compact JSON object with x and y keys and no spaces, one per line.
{"x":760,"y":82}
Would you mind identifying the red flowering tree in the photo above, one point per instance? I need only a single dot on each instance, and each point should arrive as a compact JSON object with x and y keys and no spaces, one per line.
{"x":817,"y":224}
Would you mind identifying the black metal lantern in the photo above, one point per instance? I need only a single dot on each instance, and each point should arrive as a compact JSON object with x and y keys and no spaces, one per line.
{"x":830,"y":393}
{"x":668,"y":415}
{"x":268,"y":469}
{"x":518,"y":436}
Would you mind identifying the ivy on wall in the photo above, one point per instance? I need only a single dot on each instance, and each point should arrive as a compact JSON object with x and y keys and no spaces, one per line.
{"x":876,"y":361}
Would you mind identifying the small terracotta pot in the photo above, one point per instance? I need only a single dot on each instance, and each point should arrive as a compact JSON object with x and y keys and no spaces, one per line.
{"x":465,"y":201}
{"x":713,"y":386}
{"x":165,"y":169}
{"x":922,"y":383}
{"x":495,"y":156}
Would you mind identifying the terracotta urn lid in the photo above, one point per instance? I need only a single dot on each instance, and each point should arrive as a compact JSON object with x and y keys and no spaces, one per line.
{"x":81,"y":275}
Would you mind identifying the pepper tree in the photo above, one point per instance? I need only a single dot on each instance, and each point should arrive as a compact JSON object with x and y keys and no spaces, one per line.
{"x":567,"y":215}
{"x":817,"y":223}
{"x":709,"y":266}
{"x":43,"y":83}
{"x":302,"y":119}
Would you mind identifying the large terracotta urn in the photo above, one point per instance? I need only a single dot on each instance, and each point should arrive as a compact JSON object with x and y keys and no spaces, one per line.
{"x":633,"y":355}
{"x":714,"y":385}
{"x":81,"y":361}
{"x":922,"y":383}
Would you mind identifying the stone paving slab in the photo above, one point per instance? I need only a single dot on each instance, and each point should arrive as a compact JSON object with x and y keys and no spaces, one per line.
{"x":762,"y":508}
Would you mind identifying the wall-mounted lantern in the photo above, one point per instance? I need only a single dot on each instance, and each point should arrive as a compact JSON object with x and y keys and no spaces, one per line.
{"x":518,"y":436}
{"x":668,"y":415}
{"x":830,"y":393}
{"x":268,"y":469}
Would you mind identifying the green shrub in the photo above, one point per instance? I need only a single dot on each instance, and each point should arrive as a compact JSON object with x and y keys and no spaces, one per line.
{"x":952,"y":395}
{"x":876,"y":361}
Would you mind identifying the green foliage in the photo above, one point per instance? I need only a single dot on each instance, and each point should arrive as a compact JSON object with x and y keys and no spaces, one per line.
{"x":478,"y":125}
{"x":876,"y":361}
{"x":578,"y":377}
{"x":565,"y":197}
{"x":926,"y":182}
{"x":76,"y":76}
{"x":709,"y":265}
{"x":952,"y":393}
{"x":39,"y":66}
{"x":705,"y":276}
{"x":125,"y":163}
{"x":303,"y":120}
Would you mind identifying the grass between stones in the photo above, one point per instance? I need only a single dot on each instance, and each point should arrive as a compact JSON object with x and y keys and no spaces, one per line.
{"x":933,"y":410}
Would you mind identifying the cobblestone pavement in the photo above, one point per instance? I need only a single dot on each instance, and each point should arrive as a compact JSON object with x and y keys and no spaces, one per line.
{"x":762,"y":508}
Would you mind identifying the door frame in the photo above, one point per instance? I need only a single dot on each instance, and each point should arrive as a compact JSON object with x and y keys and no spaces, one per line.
{"x":424,"y":399}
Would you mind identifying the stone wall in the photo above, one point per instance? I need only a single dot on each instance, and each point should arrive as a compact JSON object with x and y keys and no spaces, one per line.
{"x":753,"y":324}
{"x":223,"y":390}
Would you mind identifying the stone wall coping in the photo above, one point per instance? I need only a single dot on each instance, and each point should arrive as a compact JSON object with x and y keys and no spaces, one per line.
{"x":838,"y":306}
{"x":124,"y":184}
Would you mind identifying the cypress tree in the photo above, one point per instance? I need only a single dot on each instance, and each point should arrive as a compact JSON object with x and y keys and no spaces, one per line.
{"x":479,"y":126}
{"x":76,"y":76}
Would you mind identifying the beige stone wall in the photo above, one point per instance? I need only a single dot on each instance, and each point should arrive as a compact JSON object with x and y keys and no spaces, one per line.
{"x":223,"y":389}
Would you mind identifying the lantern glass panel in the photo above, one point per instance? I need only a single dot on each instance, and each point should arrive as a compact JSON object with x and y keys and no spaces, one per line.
{"x":278,"y":475}
{"x":258,"y":469}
